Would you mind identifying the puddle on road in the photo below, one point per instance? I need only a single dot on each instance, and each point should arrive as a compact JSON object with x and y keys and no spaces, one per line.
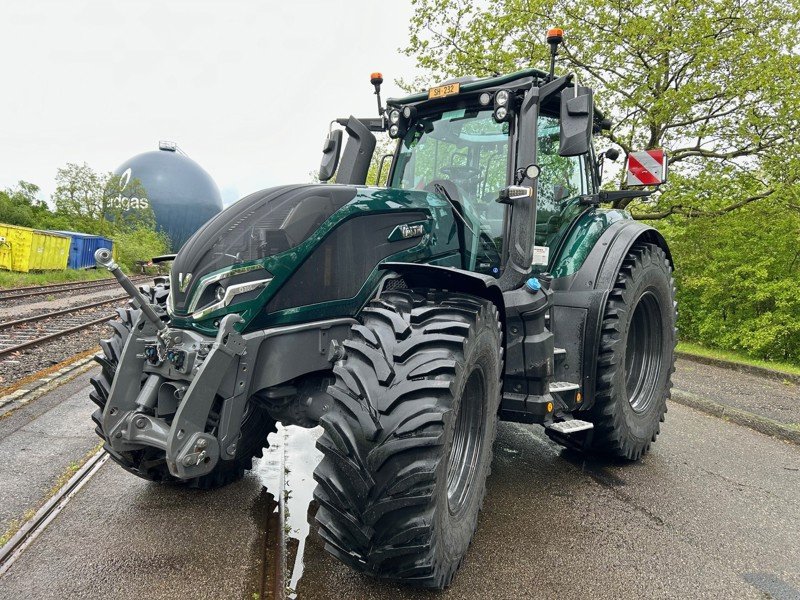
{"x":288,"y":467}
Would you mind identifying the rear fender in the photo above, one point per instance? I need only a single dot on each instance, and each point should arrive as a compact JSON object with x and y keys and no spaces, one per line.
{"x":580,"y":299}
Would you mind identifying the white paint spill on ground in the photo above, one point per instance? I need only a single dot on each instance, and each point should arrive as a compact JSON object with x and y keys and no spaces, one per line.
{"x":288,"y":466}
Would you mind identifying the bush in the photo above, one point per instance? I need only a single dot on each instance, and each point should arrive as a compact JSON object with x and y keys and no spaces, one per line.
{"x":738,"y":278}
{"x":139,"y":244}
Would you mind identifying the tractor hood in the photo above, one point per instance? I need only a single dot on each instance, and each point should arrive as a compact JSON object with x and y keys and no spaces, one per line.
{"x":284,"y":248}
{"x":262,"y":224}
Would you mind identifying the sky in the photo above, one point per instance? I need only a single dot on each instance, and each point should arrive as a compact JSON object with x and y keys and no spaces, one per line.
{"x":246,"y":88}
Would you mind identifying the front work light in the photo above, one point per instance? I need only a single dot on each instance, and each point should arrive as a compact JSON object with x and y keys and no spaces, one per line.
{"x":485,"y":98}
{"x":500,"y":113}
{"x":394,"y":131}
{"x":394,"y":117}
{"x":501,"y":98}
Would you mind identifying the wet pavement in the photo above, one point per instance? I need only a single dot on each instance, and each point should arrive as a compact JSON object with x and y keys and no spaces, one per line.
{"x":712,"y":512}
{"x":39,"y":441}
{"x":123,"y":537}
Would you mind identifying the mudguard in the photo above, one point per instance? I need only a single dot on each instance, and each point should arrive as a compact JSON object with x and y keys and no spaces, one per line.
{"x":427,"y":275}
{"x":579,"y":301}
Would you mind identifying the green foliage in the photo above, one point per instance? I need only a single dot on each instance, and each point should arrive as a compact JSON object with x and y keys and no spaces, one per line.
{"x":89,"y":202}
{"x":139,"y":243}
{"x":738,"y":278}
{"x":713,"y":83}
{"x":19,"y":206}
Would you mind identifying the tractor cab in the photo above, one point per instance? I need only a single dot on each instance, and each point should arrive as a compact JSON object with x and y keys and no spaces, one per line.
{"x":512,"y":155}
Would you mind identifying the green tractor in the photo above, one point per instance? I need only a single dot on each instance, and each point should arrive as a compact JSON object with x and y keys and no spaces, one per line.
{"x":483,"y":283}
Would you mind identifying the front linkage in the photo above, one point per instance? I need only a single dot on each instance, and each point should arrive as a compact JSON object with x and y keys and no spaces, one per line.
{"x":170,"y":384}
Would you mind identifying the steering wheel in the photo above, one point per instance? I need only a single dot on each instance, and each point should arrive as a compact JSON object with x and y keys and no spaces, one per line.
{"x":461,"y":173}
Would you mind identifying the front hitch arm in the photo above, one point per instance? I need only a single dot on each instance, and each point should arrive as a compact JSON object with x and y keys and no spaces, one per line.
{"x":103,"y":256}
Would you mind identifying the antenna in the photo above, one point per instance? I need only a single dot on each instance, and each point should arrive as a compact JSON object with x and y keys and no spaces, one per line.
{"x":376,"y":79}
{"x":555,"y":36}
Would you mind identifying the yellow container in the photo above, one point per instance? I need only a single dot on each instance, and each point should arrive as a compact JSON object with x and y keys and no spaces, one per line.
{"x":23,"y":249}
{"x":49,"y":251}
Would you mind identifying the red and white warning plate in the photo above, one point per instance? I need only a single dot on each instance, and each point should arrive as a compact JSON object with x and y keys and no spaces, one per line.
{"x":648,"y":167}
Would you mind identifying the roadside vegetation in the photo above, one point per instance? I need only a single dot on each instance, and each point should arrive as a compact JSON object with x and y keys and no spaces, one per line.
{"x":710,"y":82}
{"x":81,"y":203}
{"x":737,"y":357}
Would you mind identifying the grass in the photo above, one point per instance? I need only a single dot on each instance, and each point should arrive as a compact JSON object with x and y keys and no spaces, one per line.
{"x":736,"y":357}
{"x":11,"y":279}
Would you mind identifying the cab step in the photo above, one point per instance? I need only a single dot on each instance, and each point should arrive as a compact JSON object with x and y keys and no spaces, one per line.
{"x":573,"y":433}
{"x":570,"y":427}
{"x":559,"y":387}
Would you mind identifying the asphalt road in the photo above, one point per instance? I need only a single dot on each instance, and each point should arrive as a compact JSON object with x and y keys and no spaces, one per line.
{"x":712,"y":512}
{"x":770,"y":398}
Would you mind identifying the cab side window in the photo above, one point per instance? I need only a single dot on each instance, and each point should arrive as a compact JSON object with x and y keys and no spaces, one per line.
{"x":563,"y":179}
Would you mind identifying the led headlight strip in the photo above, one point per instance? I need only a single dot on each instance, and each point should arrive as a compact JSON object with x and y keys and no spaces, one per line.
{"x":230,"y":293}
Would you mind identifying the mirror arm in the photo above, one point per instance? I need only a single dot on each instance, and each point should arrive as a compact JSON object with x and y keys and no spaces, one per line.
{"x":555,"y":86}
{"x":372,"y":123}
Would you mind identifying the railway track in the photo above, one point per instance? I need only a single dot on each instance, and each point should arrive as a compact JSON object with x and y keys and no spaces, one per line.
{"x":61,"y":288}
{"x":22,"y":334}
{"x":45,"y":515}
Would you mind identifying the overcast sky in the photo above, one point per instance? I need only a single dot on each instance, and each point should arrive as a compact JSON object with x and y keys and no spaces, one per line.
{"x":246,"y":88}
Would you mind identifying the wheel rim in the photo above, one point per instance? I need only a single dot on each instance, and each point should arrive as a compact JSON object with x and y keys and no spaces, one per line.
{"x":644,"y":353}
{"x":467,"y":441}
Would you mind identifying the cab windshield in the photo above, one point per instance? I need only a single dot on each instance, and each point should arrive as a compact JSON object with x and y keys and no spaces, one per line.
{"x":462,"y":154}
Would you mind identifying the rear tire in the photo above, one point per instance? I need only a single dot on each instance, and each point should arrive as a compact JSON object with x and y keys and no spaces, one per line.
{"x":408,"y":442}
{"x":637,"y":357}
{"x":150,"y":463}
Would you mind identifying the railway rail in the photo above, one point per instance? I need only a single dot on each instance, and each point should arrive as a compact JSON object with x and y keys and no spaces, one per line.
{"x":28,"y":332}
{"x":60,"y":288}
{"x":44,"y":516}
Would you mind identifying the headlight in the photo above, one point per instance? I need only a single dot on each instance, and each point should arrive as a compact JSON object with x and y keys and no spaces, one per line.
{"x":228,"y":294}
{"x":501,"y":113}
{"x":394,"y":131}
{"x":394,"y":117}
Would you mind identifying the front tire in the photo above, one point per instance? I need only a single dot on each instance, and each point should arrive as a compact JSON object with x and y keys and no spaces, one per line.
{"x":637,"y":357}
{"x":408,"y":442}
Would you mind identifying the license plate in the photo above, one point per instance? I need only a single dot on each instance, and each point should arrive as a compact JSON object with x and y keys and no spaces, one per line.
{"x":441,"y":91}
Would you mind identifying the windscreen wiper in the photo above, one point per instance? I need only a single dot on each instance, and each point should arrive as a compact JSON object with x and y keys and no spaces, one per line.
{"x":439,"y":189}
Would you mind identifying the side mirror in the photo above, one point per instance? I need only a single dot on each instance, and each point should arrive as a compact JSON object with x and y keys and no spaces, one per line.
{"x":577,"y":116}
{"x":648,"y":167}
{"x":331,"y":151}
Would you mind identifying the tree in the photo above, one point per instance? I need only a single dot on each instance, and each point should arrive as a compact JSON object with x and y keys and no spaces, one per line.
{"x":79,"y":192}
{"x":96,"y":202}
{"x":712,"y":82}
{"x":21,"y":206}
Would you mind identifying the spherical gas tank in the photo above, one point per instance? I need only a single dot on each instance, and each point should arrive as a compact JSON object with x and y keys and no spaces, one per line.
{"x":181,"y":193}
